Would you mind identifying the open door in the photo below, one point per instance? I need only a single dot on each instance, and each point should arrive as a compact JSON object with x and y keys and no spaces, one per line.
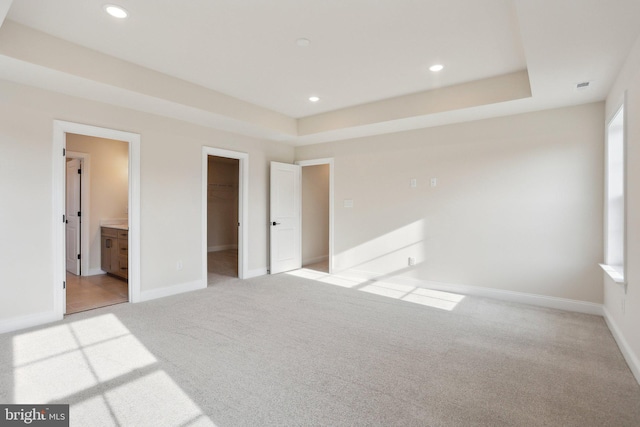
{"x":285,"y":224}
{"x":72,"y":254}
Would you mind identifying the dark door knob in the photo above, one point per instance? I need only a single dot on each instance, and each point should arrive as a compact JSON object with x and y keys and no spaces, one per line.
{"x":275,"y":223}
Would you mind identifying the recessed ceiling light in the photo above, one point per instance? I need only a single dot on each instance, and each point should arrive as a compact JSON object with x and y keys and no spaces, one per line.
{"x":303,"y":42}
{"x":314,"y":99}
{"x":436,"y":67}
{"x":115,"y":11}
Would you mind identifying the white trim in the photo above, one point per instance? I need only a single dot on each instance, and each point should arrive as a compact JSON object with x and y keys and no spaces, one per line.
{"x":314,"y":260}
{"x":23,"y":322}
{"x":499,"y":294}
{"x":243,"y":208}
{"x":85,"y":208}
{"x":171,"y":290}
{"x":221,"y":248}
{"x":615,"y":272}
{"x":256,"y":272}
{"x":325,"y":161}
{"x":631,"y":359}
{"x":60,"y":129}
{"x":619,"y":270}
{"x":95,"y":272}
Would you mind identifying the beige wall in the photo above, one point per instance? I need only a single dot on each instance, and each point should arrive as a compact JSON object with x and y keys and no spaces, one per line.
{"x":222,"y":203}
{"x":517,"y":206}
{"x":315,"y":213}
{"x":627,"y":320}
{"x":171,"y":192}
{"x":109,"y":163}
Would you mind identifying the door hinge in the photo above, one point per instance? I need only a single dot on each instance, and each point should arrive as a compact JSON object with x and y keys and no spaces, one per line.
{"x":64,"y":219}
{"x":64,"y":151}
{"x":238,"y":224}
{"x":79,"y":213}
{"x":79,"y":171}
{"x":64,"y":285}
{"x":78,"y":256}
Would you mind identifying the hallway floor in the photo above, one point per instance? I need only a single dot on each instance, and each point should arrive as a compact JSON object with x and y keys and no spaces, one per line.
{"x":221,"y":265}
{"x":322,"y":266}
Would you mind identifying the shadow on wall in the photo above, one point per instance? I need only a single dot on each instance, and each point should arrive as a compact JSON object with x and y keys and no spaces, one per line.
{"x":381,"y":261}
{"x":387,"y":253}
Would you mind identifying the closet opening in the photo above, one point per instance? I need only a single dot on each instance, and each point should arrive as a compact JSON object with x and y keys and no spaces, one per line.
{"x":223,"y":175}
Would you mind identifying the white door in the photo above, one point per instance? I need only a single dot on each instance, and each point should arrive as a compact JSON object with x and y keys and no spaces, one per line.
{"x":285,"y":224}
{"x":73,"y":217}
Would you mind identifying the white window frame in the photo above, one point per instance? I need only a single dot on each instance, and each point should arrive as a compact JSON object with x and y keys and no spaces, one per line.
{"x":616,"y":269}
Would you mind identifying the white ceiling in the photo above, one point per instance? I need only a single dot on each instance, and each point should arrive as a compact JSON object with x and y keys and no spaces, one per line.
{"x":361,"y":51}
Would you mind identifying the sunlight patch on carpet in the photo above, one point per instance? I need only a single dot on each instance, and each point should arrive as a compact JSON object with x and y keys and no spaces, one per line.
{"x":386,"y":288}
{"x":100,"y":368}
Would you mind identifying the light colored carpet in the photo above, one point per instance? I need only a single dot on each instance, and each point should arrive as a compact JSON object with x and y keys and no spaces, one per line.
{"x":284,"y":350}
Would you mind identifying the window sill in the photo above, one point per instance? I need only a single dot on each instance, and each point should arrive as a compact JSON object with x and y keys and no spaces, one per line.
{"x":615,"y":272}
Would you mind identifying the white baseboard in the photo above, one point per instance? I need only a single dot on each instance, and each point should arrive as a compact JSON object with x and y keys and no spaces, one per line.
{"x":521,"y":297}
{"x":23,"y":322}
{"x":499,"y":294}
{"x":627,"y":352}
{"x":188,"y":287}
{"x":221,"y":248}
{"x":315,"y":260}
{"x":94,"y":272}
{"x":172,"y":290}
{"x":256,"y":272}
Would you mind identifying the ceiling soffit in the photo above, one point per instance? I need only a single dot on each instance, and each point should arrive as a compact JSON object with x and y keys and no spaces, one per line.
{"x":541,"y":50}
{"x":43,"y":51}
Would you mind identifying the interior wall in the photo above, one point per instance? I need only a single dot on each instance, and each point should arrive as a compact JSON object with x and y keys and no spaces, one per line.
{"x":222,"y":201}
{"x":109,"y":192}
{"x":623,"y":309}
{"x":517,"y":204}
{"x":170,"y":188}
{"x":315,"y":213}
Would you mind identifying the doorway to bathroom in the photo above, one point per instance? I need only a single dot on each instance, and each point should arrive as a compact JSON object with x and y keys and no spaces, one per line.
{"x":107,"y":210}
{"x":96,"y":235}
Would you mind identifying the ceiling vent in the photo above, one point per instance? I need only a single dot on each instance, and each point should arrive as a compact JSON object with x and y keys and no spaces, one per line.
{"x":583,"y":85}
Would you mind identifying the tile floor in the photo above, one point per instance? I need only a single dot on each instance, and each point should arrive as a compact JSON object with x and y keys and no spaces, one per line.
{"x":89,"y":292}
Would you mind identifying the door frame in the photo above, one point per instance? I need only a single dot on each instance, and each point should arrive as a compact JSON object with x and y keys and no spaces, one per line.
{"x":85,"y":204}
{"x":324,"y":161}
{"x":243,"y":207}
{"x":60,"y":129}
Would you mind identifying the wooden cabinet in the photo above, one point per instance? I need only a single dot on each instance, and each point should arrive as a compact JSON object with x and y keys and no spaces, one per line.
{"x":123,"y":253}
{"x":115,"y":251}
